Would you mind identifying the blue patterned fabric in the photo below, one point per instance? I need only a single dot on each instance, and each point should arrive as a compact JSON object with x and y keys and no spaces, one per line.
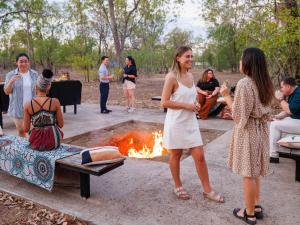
{"x":33,"y":166}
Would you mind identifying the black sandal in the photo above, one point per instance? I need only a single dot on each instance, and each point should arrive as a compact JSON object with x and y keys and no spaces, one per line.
{"x":259,"y":215}
{"x":245,"y":217}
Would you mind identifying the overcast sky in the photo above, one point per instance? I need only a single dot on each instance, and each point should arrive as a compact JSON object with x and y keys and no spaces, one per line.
{"x":189,"y":18}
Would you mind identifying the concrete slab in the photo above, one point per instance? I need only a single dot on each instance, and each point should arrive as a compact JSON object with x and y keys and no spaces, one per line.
{"x":140,"y":192}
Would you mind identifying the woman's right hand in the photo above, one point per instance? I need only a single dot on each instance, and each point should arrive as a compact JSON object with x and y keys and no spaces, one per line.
{"x":193,"y":107}
{"x":224,"y":91}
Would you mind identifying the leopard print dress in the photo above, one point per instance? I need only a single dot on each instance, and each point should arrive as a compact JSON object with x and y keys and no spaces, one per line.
{"x":249,"y":149}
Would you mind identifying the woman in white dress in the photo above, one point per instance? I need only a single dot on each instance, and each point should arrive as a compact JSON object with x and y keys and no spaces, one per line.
{"x":181,"y":129}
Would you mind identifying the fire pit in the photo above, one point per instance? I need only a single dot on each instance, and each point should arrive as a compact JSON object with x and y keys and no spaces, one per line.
{"x":135,"y":139}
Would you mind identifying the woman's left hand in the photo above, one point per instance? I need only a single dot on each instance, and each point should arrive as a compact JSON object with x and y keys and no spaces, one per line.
{"x":224,"y":91}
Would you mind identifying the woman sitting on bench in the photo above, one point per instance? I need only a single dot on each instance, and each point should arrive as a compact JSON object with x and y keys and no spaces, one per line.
{"x":208,"y":89}
{"x":45,"y":115}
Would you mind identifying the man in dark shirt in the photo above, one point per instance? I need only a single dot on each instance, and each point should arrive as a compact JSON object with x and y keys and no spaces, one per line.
{"x":288,"y":121}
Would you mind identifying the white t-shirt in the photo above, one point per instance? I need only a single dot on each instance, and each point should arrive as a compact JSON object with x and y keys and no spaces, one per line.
{"x":27,"y":94}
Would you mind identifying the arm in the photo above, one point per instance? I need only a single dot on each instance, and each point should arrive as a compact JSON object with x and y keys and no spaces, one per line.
{"x":216,"y":91}
{"x":59,"y":115}
{"x":169,"y":85}
{"x":130,"y":76}
{"x":201,"y":91}
{"x":285,"y":107}
{"x":9,"y":83}
{"x":27,"y":117}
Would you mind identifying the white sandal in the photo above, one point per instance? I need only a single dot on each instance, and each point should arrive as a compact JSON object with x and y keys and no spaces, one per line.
{"x":181,"y":193}
{"x":214,"y":196}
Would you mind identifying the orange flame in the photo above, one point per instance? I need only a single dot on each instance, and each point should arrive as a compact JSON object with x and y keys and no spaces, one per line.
{"x":146,"y":152}
{"x":139,"y":144}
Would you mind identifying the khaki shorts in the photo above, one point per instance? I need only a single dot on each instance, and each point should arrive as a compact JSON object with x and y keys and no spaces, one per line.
{"x":128,"y":85}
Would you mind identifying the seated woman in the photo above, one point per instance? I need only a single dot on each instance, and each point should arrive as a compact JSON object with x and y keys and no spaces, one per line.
{"x":208,"y":89}
{"x":45,"y":115}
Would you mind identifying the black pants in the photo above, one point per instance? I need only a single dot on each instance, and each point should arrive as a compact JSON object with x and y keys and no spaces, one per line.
{"x":104,"y":90}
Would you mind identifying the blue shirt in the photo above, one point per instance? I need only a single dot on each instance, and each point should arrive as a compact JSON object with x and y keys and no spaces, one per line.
{"x":102,"y":73}
{"x":15,"y":108}
{"x":294,"y":103}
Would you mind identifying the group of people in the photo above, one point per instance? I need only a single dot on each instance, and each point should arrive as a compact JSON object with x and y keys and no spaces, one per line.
{"x":32,"y":111}
{"x":128,"y":80}
{"x":252,"y":140}
{"x":251,"y":110}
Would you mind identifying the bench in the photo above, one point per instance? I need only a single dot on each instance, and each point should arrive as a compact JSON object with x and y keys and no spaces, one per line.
{"x":158,"y":98}
{"x":73,"y":163}
{"x":292,"y":154}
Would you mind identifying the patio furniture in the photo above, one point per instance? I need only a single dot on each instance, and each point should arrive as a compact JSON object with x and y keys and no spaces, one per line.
{"x":4,"y":101}
{"x":292,"y":154}
{"x":73,"y":163}
{"x":68,"y":92}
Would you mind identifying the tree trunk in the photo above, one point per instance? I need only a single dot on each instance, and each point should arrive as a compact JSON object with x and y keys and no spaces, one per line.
{"x":29,"y":41}
{"x":293,"y":65}
{"x":114,"y":29}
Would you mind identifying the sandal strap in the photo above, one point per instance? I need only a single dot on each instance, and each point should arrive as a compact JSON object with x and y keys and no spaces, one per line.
{"x":258,"y":207}
{"x":247,"y":215}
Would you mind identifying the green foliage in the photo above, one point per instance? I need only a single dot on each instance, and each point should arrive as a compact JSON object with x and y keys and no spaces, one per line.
{"x":272,"y":26}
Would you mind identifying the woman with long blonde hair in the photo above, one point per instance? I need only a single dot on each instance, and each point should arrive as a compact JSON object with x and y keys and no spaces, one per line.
{"x":181,"y":129}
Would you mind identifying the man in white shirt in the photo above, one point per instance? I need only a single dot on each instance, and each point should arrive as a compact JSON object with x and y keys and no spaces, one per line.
{"x":104,"y":78}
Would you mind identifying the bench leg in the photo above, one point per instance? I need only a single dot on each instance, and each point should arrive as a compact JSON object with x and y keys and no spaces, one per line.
{"x":297,"y":177}
{"x":85,"y":185}
{"x":165,"y":109}
{"x":64,"y":109}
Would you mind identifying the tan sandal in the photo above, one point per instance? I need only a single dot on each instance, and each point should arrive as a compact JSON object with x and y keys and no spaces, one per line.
{"x":214,"y":196}
{"x":181,"y":193}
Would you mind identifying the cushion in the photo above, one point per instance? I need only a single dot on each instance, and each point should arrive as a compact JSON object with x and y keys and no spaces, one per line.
{"x":290,"y":141}
{"x":103,"y":153}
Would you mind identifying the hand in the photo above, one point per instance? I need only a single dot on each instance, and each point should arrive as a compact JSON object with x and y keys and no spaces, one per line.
{"x":209,"y":96}
{"x":14,"y":78}
{"x":224,"y":91}
{"x":205,"y":93}
{"x":125,"y":75}
{"x":193,"y":107}
{"x":278,"y":95}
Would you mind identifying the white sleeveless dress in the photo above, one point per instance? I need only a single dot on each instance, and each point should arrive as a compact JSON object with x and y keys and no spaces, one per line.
{"x":181,"y":129}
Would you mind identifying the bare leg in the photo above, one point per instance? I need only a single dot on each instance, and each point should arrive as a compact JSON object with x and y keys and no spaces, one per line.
{"x":174,"y":163}
{"x":201,"y":167}
{"x":131,"y":98}
{"x":19,"y":127}
{"x":249,"y":186}
{"x":127,"y":97}
{"x":257,"y":194}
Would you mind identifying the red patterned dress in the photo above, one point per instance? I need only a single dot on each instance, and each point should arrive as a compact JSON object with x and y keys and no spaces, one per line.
{"x":45,"y":134}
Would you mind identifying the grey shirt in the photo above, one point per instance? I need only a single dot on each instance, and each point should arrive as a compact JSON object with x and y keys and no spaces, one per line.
{"x":102,"y":73}
{"x":15,"y":108}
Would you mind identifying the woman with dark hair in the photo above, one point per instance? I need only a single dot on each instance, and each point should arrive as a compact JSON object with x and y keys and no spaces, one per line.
{"x":208,"y":89}
{"x":45,"y":115}
{"x":20,"y":86}
{"x":181,"y":129}
{"x":129,"y":78}
{"x":249,"y":149}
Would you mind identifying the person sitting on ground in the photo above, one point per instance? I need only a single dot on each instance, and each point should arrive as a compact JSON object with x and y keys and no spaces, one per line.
{"x":45,"y":115}
{"x":208,"y":89}
{"x":288,"y":121}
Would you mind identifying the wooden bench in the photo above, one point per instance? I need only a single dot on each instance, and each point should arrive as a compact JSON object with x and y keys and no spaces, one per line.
{"x":292,"y":154}
{"x":73,"y":163}
{"x":158,"y":98}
